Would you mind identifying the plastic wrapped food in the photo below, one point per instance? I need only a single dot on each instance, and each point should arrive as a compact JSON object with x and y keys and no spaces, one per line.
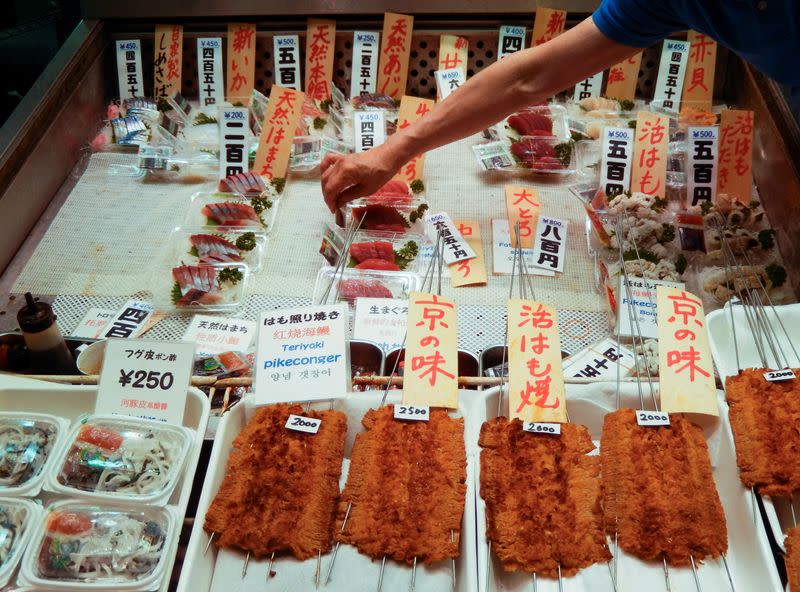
{"x":539,"y":121}
{"x":130,"y":459}
{"x":396,"y":217}
{"x":97,"y":546}
{"x":16,"y":521}
{"x":227,"y":210}
{"x":26,"y":442}
{"x":544,"y":154}
{"x":229,"y":245}
{"x":356,"y":283}
{"x":212,"y":287}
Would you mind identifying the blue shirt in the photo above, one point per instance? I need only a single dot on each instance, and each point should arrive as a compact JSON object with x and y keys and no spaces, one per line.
{"x":766,"y":33}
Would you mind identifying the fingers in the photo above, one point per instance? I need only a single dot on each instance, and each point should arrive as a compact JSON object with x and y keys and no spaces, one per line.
{"x":334,"y":181}
{"x":329,"y":160}
{"x":349,"y":194}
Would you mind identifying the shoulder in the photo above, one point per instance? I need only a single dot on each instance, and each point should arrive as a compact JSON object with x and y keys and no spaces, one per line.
{"x":640,"y":23}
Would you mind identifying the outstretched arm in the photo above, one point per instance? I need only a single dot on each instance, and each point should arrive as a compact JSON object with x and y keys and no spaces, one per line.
{"x":514,"y":82}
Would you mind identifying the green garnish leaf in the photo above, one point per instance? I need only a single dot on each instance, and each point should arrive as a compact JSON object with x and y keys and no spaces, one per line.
{"x":776,"y":274}
{"x":406,"y":254}
{"x":626,"y":105}
{"x":319,"y":123}
{"x":246,"y":241}
{"x":203,"y":119}
{"x":193,"y":251}
{"x":326,"y":105}
{"x":176,"y":294}
{"x":260,"y":204}
{"x":279,"y":184}
{"x":706,"y":207}
{"x":174,"y":168}
{"x":660,"y":204}
{"x":632,"y":124}
{"x":417,"y":186}
{"x":644,"y":255}
{"x":668,"y":234}
{"x":767,"y":238}
{"x":418,"y":214}
{"x":564,"y":152}
{"x":229,"y":274}
{"x":681,"y":263}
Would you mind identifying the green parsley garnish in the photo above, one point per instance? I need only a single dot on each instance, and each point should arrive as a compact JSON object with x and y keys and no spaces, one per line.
{"x":680,"y":264}
{"x":564,"y":152}
{"x":417,"y":186}
{"x":279,"y":184}
{"x":632,"y":124}
{"x":776,"y":274}
{"x":668,"y":234}
{"x":660,"y":204}
{"x":406,"y":254}
{"x":247,"y":241}
{"x":176,"y":294}
{"x":319,"y":123}
{"x":229,"y":274}
{"x":326,"y":105}
{"x":706,"y":207}
{"x":418,"y":214}
{"x":644,"y":255}
{"x":626,"y":105}
{"x":203,"y":119}
{"x":174,"y":168}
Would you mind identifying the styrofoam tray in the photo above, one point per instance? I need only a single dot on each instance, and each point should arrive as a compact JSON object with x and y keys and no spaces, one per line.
{"x":749,"y":555}
{"x":17,"y":394}
{"x":220,"y":570}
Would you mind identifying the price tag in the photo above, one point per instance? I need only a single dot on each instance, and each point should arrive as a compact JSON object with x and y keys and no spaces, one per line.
{"x":241,"y":67}
{"x":234,"y":141}
{"x":470,"y":272}
{"x":736,"y":155}
{"x":671,"y":73}
{"x":512,"y":40}
{"x":455,"y":247}
{"x":622,"y":79}
{"x":599,"y":361}
{"x":448,"y":81}
{"x":369,"y":128}
{"x":651,"y":419}
{"x":650,"y":154}
{"x":300,"y":423}
{"x":411,"y":109}
{"x":92,"y":323}
{"x":130,"y":320}
{"x":591,"y":87}
{"x":154,"y":158}
{"x":382,"y":321}
{"x":493,"y":156}
{"x":551,"y":429}
{"x":453,"y":54}
{"x":643,"y":303}
{"x":779,"y":375}
{"x":145,"y":378}
{"x":286,"y":58}
{"x":702,"y":174}
{"x":395,"y":51}
{"x":129,"y":68}
{"x":617,"y":155}
{"x":209,"y":71}
{"x":365,"y":62}
{"x":503,"y":253}
{"x":168,"y":57}
{"x":320,"y":37}
{"x":217,"y":335}
{"x":412,"y":412}
{"x":277,"y":132}
{"x":548,"y":24}
{"x":698,"y":88}
{"x":522,"y":205}
{"x":550,"y":247}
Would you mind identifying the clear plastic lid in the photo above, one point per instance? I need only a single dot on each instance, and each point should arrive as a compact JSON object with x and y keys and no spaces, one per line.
{"x":217,"y":287}
{"x":404,"y":216}
{"x":385,"y":251}
{"x":121,"y":459}
{"x":17,"y":521}
{"x":27,"y":442}
{"x":86,"y":546}
{"x":228,"y":210}
{"x":545,"y":155}
{"x":350,"y":284}
{"x":308,"y":151}
{"x":539,"y":121}
{"x":199,"y":246}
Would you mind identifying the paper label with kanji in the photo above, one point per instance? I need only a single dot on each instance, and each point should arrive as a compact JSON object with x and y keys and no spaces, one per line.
{"x":431,"y":355}
{"x":209,"y":71}
{"x":701,"y":175}
{"x":129,"y":68}
{"x":698,"y":87}
{"x":241,"y":63}
{"x":448,"y":81}
{"x":168,"y":57}
{"x":650,"y":154}
{"x":234,"y":141}
{"x":638,"y":313}
{"x":453,"y":245}
{"x":395,"y":51}
{"x":548,"y":24}
{"x":511,"y":40}
{"x":277,"y":132}
{"x":470,"y":272}
{"x":320,"y":37}
{"x":369,"y":128}
{"x":599,"y":361}
{"x":411,"y":109}
{"x":93,"y":322}
{"x":286,"y":58}
{"x":217,"y":335}
{"x":671,"y":72}
{"x":453,"y":53}
{"x":365,"y":63}
{"x":590,"y":87}
{"x":381,"y":321}
{"x":616,"y":160}
{"x":623,"y":78}
{"x":503,"y":258}
{"x":522,"y":205}
{"x":535,"y":377}
{"x":130,"y":320}
{"x":685,"y":366}
{"x":550,"y":243}
{"x":735,"y":175}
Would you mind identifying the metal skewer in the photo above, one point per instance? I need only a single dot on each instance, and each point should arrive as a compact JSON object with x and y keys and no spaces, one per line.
{"x":317,"y":574}
{"x":694,"y":572}
{"x":666,"y":572}
{"x":453,"y":560}
{"x":413,"y":575}
{"x":336,"y":546}
{"x":210,"y":540}
{"x":380,"y":576}
{"x":269,"y":566}
{"x":246,"y":563}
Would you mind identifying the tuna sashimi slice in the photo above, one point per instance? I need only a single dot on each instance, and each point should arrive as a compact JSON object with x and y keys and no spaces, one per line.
{"x":373,"y":250}
{"x":214,"y":249}
{"x":381,"y":264}
{"x":231,"y":214}
{"x":352,"y":289}
{"x":380,"y":217}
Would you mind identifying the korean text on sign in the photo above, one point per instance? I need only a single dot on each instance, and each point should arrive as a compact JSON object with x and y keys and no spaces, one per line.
{"x":129,"y":68}
{"x":698,"y":87}
{"x":622,"y":79}
{"x":209,"y":71}
{"x":685,"y":366}
{"x":650,"y":154}
{"x":277,"y":132}
{"x":702,"y":172}
{"x":319,"y":57}
{"x":168,"y":59}
{"x":617,"y":156}
{"x":365,"y":63}
{"x":241,"y":71}
{"x":411,"y":109}
{"x":548,"y":24}
{"x":735,"y":175}
{"x":431,"y":358}
{"x":522,"y":205}
{"x":395,"y":51}
{"x":535,"y":376}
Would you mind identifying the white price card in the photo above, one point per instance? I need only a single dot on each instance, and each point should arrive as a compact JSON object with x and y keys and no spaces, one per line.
{"x":129,"y":68}
{"x":369,"y":128}
{"x":302,"y":354}
{"x":130,"y":320}
{"x":366,"y":45}
{"x":217,"y":335}
{"x":455,"y":247}
{"x":145,"y":378}
{"x":616,"y":159}
{"x":286,"y":54}
{"x":210,"y":84}
{"x":779,"y":375}
{"x":512,"y":39}
{"x":550,"y":429}
{"x":550,"y":246}
{"x":701,"y":176}
{"x":447,"y":81}
{"x":590,"y":87}
{"x":300,"y":423}
{"x":638,"y":314}
{"x":234,"y":141}
{"x":503,"y":253}
{"x":412,"y":412}
{"x":599,"y":361}
{"x":652,"y":419}
{"x":671,"y":72}
{"x":93,"y":322}
{"x":381,"y":321}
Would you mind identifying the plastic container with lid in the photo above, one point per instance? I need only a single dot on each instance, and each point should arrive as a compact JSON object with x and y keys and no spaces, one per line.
{"x":28,"y":444}
{"x":539,"y":120}
{"x":215,"y":211}
{"x":400,"y":216}
{"x":217,"y":287}
{"x":83,"y":546}
{"x":199,"y":246}
{"x":379,"y":251}
{"x":18,"y":518}
{"x":355,"y":283}
{"x":545,"y":155}
{"x":121,"y":459}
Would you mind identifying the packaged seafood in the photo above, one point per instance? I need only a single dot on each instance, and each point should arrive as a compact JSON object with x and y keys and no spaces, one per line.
{"x":229,"y":210}
{"x":207,"y":287}
{"x":385,"y":251}
{"x":228,"y":245}
{"x":356,"y":283}
{"x":540,"y":121}
{"x":308,"y":151}
{"x":545,"y":154}
{"x":83,"y":546}
{"x":375,"y":213}
{"x":17,"y":521}
{"x":116,"y":459}
{"x":28,"y":443}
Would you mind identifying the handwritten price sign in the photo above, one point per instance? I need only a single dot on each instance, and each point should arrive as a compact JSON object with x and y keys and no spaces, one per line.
{"x":411,"y":412}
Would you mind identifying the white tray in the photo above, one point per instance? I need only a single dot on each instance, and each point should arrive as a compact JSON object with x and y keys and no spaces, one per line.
{"x":220,"y":570}
{"x":18,"y":394}
{"x":749,"y":556}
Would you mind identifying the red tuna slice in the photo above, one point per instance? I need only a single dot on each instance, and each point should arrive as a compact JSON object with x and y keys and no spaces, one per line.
{"x":310,"y":108}
{"x":547,"y":163}
{"x":374,"y":250}
{"x":243,"y":184}
{"x":352,"y":289}
{"x":529,"y":150}
{"x":527,"y":122}
{"x":231,"y":214}
{"x":380,"y":217}
{"x":197,"y":284}
{"x":374,"y":100}
{"x":380,"y":264}
{"x":214,"y":249}
{"x":394,"y":192}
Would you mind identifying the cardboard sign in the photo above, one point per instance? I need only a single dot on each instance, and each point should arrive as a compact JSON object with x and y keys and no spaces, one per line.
{"x":698,"y":87}
{"x":617,"y":156}
{"x":241,"y":67}
{"x":277,"y":132}
{"x":650,"y":154}
{"x":217,"y":335}
{"x":535,"y":378}
{"x":701,"y":175}
{"x":381,"y":321}
{"x":522,"y":205}
{"x":643,"y":305}
{"x":129,"y":68}
{"x":395,"y":51}
{"x":234,"y":141}
{"x":302,"y":354}
{"x":431,"y":356}
{"x":736,"y":155}
{"x":130,"y":320}
{"x":411,"y":109}
{"x":503,"y":252}
{"x":591,"y":87}
{"x":671,"y":72}
{"x":147,"y":379}
{"x":320,"y":37}
{"x":512,"y":40}
{"x":448,"y":81}
{"x":92,"y":323}
{"x":548,"y":24}
{"x":453,"y":53}
{"x":369,"y":128}
{"x":600,"y":360}
{"x":469,"y":272}
{"x":286,"y":59}
{"x":456,"y":249}
{"x":623,"y":78}
{"x":209,"y":71}
{"x":550,"y":246}
{"x":168,"y":54}
{"x":685,"y":366}
{"x":364,"y":74}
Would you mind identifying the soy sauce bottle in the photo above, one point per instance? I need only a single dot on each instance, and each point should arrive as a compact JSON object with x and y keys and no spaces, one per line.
{"x":49,"y":353}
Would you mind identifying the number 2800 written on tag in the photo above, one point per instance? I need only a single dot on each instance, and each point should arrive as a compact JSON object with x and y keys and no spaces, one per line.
{"x":412,"y":412}
{"x":551,"y":429}
{"x":652,"y":419}
{"x":298,"y":423}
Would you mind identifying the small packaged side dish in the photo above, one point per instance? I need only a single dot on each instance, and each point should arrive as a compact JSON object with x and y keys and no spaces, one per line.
{"x":82,"y":546}
{"x":229,"y":210}
{"x":27,"y":443}
{"x":400,"y":216}
{"x":17,"y":521}
{"x":209,"y":287}
{"x":116,"y":459}
{"x":355,"y":283}
{"x":198,"y":246}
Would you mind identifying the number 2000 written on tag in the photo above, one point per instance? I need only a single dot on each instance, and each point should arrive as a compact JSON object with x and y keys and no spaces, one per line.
{"x":298,"y":423}
{"x":652,"y":419}
{"x":412,"y":412}
{"x":551,"y":429}
{"x":779,"y":375}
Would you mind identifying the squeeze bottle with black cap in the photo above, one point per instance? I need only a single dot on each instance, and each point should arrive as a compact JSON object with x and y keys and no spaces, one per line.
{"x":49,"y":353}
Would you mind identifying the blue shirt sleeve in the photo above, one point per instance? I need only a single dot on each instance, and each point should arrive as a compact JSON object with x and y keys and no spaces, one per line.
{"x":639,"y":23}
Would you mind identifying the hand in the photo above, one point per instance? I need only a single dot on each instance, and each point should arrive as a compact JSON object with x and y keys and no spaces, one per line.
{"x":345,"y":178}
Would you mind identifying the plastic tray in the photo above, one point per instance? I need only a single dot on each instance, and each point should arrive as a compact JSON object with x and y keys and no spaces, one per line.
{"x":398,"y":241}
{"x":389,"y":284}
{"x":220,"y":570}
{"x":555,"y":113}
{"x":196,"y":219}
{"x":233,"y":296}
{"x":28,"y":524}
{"x":181,"y":248}
{"x":32,"y":486}
{"x":72,"y":402}
{"x":749,"y":556}
{"x":382,"y":218}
